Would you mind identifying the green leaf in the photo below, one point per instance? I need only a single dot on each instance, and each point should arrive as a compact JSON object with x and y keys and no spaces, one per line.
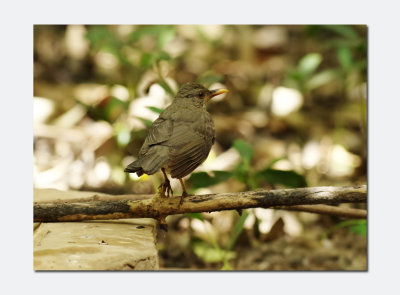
{"x":146,"y":122}
{"x":237,"y":229}
{"x":162,"y":55}
{"x":226,"y":266}
{"x":166,"y":87}
{"x":283,"y":177}
{"x":99,"y":35}
{"x":344,"y":30}
{"x":245,"y":150}
{"x":147,"y":60}
{"x":358,"y":226}
{"x":114,"y":108}
{"x":344,"y":57}
{"x":156,"y":110}
{"x":101,"y":38}
{"x":142,"y":31}
{"x":360,"y":229}
{"x":360,"y":65}
{"x":294,"y":75}
{"x":212,"y":255}
{"x":163,"y":34}
{"x":202,"y":179}
{"x":321,"y":79}
{"x":241,"y":172}
{"x":274,"y":161}
{"x":293,"y":79}
{"x":108,"y":109}
{"x":309,"y":63}
{"x":195,"y":216}
{"x":210,"y":79}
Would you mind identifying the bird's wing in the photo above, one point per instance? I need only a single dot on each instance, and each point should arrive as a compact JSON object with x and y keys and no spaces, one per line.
{"x":187,"y":150}
{"x":159,"y":132}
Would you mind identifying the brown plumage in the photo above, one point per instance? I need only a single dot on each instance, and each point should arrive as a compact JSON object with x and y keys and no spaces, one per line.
{"x":180,"y":138}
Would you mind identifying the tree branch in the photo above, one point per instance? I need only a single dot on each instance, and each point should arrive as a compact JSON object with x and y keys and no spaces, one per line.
{"x":102,"y":207}
{"x":329,"y":210}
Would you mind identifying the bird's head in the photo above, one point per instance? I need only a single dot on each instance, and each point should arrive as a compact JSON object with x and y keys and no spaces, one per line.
{"x":198,"y":93}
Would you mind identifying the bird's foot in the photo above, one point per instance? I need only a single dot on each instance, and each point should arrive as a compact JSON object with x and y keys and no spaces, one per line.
{"x":184,"y":195}
{"x":165,"y":187}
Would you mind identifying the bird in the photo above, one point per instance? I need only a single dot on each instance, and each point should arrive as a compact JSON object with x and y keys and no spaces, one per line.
{"x":180,"y":139}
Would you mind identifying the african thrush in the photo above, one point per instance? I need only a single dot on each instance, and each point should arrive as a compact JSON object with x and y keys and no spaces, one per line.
{"x":180,"y":139}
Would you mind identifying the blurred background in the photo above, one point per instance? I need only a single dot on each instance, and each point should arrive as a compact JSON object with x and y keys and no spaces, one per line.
{"x":295,"y":116}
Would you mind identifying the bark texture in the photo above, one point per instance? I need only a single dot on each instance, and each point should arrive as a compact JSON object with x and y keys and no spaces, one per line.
{"x":102,"y":207}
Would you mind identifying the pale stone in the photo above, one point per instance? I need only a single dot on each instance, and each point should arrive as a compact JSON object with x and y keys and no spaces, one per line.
{"x":96,"y":245}
{"x":124,"y":244}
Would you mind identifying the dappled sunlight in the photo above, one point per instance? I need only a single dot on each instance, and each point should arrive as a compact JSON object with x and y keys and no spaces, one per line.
{"x":283,"y":165}
{"x":257,"y":118}
{"x":270,"y":36}
{"x":43,"y":108}
{"x":295,"y":115}
{"x":75,"y":42}
{"x":131,"y":63}
{"x":91,"y":93}
{"x":102,"y":170}
{"x":286,"y":100}
{"x":71,"y":117}
{"x":214,"y":32}
{"x":266,"y":217}
{"x":204,"y":230}
{"x":139,"y":108}
{"x":106,"y":61}
{"x":311,"y":154}
{"x":120,"y":92}
{"x":341,"y":162}
{"x":292,"y":226}
{"x":224,"y":161}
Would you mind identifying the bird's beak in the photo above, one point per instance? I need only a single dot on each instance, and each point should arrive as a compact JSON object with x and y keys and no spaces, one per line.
{"x":216,"y":92}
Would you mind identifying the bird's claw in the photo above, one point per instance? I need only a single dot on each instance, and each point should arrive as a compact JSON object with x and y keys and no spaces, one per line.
{"x":184,"y":195}
{"x":165,"y":187}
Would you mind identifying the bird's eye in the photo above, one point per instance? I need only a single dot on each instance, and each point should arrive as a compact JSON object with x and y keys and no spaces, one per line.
{"x":201,"y":94}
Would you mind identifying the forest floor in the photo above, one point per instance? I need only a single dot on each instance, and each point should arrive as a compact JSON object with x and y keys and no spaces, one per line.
{"x":317,"y":249}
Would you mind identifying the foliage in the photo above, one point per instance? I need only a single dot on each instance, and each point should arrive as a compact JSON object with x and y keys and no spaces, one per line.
{"x":102,"y":38}
{"x":156,"y":110}
{"x":203,"y":179}
{"x":305,"y":78}
{"x":244,"y":173}
{"x":326,"y":64}
{"x":209,"y":250}
{"x":358,"y":226}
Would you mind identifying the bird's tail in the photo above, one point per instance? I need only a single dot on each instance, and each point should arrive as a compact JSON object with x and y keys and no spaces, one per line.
{"x":135,"y":167}
{"x":150,"y":163}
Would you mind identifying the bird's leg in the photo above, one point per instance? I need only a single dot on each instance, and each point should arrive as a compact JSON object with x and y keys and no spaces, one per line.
{"x":165,"y":186}
{"x":184,"y":193}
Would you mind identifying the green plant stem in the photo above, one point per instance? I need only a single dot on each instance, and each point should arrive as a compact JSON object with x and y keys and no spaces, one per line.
{"x":163,"y":81}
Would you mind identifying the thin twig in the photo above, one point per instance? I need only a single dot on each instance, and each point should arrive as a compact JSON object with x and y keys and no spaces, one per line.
{"x":328,"y":210}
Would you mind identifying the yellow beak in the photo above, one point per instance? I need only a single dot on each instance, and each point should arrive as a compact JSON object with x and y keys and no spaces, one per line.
{"x":216,"y":92}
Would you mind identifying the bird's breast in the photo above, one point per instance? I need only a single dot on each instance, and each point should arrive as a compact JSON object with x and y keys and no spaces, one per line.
{"x":204,"y":126}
